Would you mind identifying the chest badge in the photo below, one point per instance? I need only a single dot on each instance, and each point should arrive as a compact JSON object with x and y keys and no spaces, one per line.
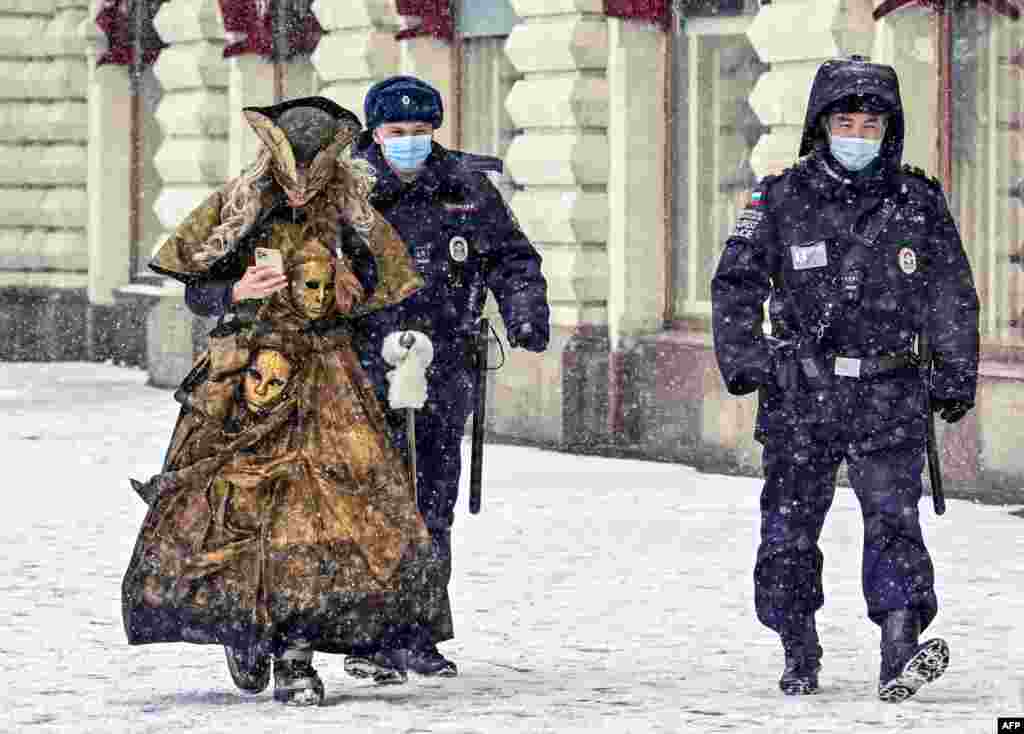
{"x":458,"y":248}
{"x":809,"y":256}
{"x":908,"y":261}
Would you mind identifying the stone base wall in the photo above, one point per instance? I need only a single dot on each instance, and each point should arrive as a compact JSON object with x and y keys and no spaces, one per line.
{"x":42,"y":324}
{"x":678,"y":411}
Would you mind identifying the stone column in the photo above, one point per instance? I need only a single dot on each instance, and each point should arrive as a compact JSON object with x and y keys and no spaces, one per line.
{"x":434,"y":61}
{"x":358,"y":48}
{"x":43,"y":133}
{"x":637,"y":136}
{"x":109,"y":231}
{"x":192,"y":159}
{"x":251,"y":83}
{"x":795,"y":37}
{"x":562,"y":160}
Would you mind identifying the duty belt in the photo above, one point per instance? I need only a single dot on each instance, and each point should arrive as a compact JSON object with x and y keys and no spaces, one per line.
{"x":866,"y":367}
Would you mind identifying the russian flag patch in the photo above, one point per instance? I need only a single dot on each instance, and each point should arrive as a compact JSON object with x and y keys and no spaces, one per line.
{"x":757,"y":198}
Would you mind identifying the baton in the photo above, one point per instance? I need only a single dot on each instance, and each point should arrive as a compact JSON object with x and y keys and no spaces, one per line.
{"x":479,"y":419}
{"x":934,"y":467}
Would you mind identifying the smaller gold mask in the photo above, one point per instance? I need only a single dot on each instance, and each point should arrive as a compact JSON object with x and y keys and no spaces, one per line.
{"x":312,"y":288}
{"x":266,"y":380}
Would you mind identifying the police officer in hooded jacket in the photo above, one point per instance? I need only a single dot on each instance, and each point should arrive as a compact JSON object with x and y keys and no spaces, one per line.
{"x":857,"y":257}
{"x":465,"y":241}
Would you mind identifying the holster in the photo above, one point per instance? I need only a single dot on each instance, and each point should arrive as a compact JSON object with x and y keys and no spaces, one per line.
{"x":813,"y":365}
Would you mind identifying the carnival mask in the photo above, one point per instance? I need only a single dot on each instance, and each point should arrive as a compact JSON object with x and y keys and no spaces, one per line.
{"x":265,"y":380}
{"x":312,"y":288}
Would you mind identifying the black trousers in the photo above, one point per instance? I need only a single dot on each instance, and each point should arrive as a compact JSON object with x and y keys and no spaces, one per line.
{"x":897,"y":571}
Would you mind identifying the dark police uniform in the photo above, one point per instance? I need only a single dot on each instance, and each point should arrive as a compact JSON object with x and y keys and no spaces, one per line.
{"x":843,"y":382}
{"x":465,"y":241}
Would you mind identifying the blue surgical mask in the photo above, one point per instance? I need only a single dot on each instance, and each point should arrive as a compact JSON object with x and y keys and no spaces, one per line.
{"x":407,"y":152}
{"x":854,"y":154}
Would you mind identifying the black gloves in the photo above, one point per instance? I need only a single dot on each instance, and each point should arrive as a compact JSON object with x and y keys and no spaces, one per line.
{"x":950,"y":410}
{"x":525,"y":336}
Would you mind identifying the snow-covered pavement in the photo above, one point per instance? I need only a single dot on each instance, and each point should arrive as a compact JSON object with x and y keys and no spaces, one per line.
{"x":590,"y":595}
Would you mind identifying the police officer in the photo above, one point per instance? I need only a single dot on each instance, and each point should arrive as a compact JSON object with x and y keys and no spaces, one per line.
{"x":858,"y":256}
{"x":465,"y":241}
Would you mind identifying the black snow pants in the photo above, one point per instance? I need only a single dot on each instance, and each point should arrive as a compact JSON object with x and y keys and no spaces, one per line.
{"x":897,"y":571}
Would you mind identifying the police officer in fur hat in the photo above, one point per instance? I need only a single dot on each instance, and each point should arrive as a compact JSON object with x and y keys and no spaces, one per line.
{"x":859,"y":258}
{"x":465,"y":242}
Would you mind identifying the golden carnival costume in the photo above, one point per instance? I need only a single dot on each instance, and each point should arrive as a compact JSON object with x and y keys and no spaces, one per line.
{"x":283,"y":521}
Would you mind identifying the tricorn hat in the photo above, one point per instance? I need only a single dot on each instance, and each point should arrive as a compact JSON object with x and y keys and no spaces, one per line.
{"x":304,"y":130}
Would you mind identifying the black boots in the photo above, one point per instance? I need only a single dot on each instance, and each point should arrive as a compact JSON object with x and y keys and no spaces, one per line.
{"x":386,"y":667}
{"x":296,"y":683}
{"x":803,"y":659}
{"x":429,"y":661}
{"x":249,"y":670}
{"x":906,"y":665}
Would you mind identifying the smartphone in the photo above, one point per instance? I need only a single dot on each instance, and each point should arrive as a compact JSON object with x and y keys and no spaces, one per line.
{"x":270,"y":257}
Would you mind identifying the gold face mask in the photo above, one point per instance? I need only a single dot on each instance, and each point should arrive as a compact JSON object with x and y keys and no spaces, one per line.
{"x":266,"y":380}
{"x":312,"y":288}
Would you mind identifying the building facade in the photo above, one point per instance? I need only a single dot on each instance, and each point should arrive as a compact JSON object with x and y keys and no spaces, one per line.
{"x":632,"y":132}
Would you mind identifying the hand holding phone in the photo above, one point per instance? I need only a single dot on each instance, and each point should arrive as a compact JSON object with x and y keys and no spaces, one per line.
{"x":270,"y":257}
{"x":262,"y":279}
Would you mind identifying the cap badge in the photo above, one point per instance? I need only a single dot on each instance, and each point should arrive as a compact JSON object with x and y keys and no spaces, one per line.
{"x":908,"y":261}
{"x":458,"y":248}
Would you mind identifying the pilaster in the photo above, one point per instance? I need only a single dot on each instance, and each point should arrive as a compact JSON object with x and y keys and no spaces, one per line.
{"x":636,"y":190}
{"x":561,"y":163}
{"x":795,"y":37}
{"x":43,"y":140}
{"x":434,"y":61}
{"x":637,"y":135}
{"x":192,"y":159}
{"x":357,"y":48}
{"x":109,"y":162}
{"x":905,"y":39}
{"x":251,"y":83}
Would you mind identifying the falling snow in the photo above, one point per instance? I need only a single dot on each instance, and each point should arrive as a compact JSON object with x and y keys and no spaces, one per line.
{"x":591,"y":594}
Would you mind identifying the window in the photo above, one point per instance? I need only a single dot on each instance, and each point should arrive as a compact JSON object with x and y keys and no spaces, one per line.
{"x":487,"y":77}
{"x":714,"y":130}
{"x":986,"y":141}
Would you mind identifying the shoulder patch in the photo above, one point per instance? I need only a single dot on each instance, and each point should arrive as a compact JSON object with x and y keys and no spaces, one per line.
{"x":747,"y":222}
{"x":918,"y":172}
{"x":753,"y":214}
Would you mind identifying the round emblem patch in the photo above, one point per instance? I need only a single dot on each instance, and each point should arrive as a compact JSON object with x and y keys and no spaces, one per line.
{"x":908,"y":261}
{"x":458,"y":248}
{"x":405,"y":100}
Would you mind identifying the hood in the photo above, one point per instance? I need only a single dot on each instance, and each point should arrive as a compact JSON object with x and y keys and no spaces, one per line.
{"x":840,"y":78}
